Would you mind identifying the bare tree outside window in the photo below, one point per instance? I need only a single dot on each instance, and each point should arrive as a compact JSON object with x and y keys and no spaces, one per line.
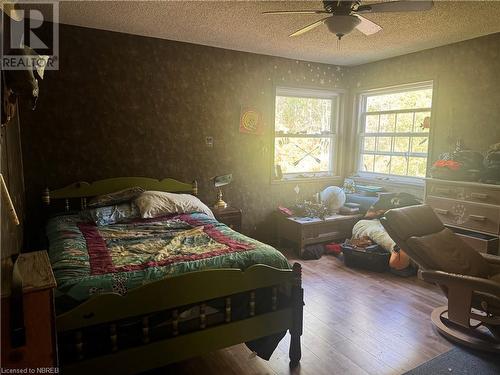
{"x":304,"y":139}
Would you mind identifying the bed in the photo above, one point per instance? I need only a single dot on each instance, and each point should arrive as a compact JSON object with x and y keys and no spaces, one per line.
{"x":144,"y":293}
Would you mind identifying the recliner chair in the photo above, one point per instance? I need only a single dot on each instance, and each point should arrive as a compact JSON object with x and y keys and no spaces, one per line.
{"x":469,"y":279}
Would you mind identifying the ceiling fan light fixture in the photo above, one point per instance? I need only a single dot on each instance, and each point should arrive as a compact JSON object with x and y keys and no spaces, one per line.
{"x":342,"y":25}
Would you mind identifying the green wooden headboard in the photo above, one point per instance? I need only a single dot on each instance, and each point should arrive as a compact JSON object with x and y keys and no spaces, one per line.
{"x":84,"y":190}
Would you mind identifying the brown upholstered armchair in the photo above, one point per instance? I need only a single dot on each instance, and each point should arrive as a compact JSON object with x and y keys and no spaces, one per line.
{"x":470,"y":280}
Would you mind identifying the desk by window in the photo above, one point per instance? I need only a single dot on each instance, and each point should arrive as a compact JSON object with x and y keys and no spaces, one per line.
{"x":303,"y":231}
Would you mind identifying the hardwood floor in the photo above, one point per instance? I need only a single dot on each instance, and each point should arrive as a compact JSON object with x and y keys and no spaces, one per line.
{"x":355,"y":322}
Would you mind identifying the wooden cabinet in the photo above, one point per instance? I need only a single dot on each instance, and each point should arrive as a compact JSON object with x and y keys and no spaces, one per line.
{"x":474,"y":216}
{"x":230,"y":216}
{"x":310,"y":231}
{"x":37,"y":313}
{"x":471,"y":209}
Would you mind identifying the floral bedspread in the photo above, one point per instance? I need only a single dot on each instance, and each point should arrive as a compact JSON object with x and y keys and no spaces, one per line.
{"x":87,"y":259}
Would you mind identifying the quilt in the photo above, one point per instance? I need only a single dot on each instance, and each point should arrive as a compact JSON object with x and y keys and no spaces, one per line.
{"x":89,"y":259}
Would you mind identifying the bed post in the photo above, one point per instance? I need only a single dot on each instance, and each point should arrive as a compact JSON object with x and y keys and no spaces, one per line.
{"x":46,"y":197}
{"x":194,"y":188}
{"x":297,"y":315}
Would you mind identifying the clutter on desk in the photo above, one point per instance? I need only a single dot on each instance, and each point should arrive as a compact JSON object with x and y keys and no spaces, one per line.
{"x":311,"y":209}
{"x":349,"y":186}
{"x":285,"y":211}
{"x":350,"y":208}
{"x":333,"y":197}
{"x":369,"y":188}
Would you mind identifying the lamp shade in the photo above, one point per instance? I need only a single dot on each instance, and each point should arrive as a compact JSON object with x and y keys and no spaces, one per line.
{"x":222,"y":180}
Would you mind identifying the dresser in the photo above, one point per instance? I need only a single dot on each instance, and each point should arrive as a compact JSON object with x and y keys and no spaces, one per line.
{"x":470,"y":209}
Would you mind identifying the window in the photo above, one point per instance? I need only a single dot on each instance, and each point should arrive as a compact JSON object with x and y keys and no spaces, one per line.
{"x":394,"y":129}
{"x":304,"y":132}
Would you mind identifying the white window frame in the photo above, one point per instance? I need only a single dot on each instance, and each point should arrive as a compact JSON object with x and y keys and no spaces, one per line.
{"x":361,"y":100}
{"x":336,"y":115}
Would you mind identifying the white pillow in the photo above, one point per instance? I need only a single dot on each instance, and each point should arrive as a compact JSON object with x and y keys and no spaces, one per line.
{"x":158,"y":203}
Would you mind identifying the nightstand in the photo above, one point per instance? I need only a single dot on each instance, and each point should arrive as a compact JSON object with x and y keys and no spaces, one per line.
{"x":230,"y":216}
{"x":38,"y":350}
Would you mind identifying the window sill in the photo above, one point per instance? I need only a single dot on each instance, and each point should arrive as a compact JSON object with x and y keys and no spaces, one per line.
{"x":417,"y":183}
{"x":295,"y":180}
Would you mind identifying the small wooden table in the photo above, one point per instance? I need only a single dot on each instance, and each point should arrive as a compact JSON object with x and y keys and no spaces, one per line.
{"x":231,"y":216}
{"x":303,"y":231}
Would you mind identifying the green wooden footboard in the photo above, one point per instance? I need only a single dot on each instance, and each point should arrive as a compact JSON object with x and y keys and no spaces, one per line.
{"x":182,"y":347}
{"x":173,"y":295}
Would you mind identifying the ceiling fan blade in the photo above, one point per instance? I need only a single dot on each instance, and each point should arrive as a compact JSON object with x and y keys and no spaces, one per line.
{"x":296,"y":12}
{"x":309,"y":27}
{"x":396,"y":6}
{"x":367,"y":27}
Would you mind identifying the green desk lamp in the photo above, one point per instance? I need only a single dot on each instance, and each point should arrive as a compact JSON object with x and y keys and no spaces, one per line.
{"x":220,"y":181}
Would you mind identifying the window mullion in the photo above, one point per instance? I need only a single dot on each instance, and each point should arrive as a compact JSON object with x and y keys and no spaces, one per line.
{"x":295,"y":135}
{"x":311,"y":106}
{"x":394,"y":98}
{"x":408,"y":154}
{"x":394,"y":111}
{"x":392,"y":134}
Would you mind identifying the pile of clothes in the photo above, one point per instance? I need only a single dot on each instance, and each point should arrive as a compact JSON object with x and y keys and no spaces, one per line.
{"x":368,"y":234}
{"x":370,"y":230}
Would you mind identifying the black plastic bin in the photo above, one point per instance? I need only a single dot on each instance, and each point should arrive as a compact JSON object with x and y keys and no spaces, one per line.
{"x":372,"y":258}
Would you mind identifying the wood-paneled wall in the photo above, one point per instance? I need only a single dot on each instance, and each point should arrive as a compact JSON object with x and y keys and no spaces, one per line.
{"x":12,"y":170}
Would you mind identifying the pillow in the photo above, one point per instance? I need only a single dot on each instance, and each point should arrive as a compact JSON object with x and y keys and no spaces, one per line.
{"x":120,"y":196}
{"x":111,"y":214}
{"x":159,"y":203}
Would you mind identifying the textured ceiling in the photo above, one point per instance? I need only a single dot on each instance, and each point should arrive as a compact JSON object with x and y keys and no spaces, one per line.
{"x":239,"y":25}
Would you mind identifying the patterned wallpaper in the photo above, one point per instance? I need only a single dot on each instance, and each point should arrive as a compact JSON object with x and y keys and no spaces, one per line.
{"x":124,"y":105}
{"x":466,"y":89}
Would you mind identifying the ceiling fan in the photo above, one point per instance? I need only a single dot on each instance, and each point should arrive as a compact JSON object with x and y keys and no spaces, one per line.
{"x":344,"y":16}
